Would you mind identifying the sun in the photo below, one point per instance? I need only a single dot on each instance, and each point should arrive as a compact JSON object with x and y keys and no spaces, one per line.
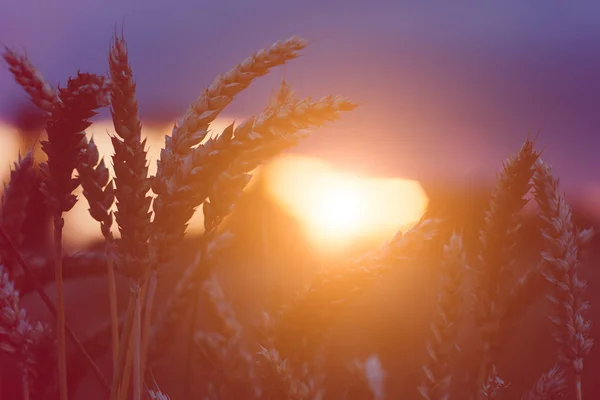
{"x":338,"y":209}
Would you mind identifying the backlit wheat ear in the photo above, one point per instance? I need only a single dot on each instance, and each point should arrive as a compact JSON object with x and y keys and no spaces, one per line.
{"x":31,"y":80}
{"x":282,"y":95}
{"x":30,"y":342}
{"x":550,"y":385}
{"x":177,"y":173}
{"x":493,"y":386}
{"x":225,"y":351}
{"x":23,"y":180}
{"x":292,"y":384}
{"x":193,"y":127}
{"x":300,"y":325}
{"x":561,"y":270}
{"x":226,"y":160}
{"x":495,"y":271}
{"x":253,"y":142}
{"x":184,"y":296}
{"x":442,"y":346}
{"x":130,"y":163}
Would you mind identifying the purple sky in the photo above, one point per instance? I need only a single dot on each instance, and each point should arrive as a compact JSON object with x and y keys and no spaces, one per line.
{"x":448,"y":88}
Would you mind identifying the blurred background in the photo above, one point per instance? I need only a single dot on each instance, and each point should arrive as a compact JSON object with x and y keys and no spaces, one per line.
{"x":447,"y":90}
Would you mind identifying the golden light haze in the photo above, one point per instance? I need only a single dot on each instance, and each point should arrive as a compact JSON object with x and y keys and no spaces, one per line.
{"x":336,"y":208}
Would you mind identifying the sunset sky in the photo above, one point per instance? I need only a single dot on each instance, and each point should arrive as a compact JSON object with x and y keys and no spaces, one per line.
{"x":447,"y":89}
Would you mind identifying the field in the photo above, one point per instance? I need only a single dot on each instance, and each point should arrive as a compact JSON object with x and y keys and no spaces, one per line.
{"x":481,"y":296}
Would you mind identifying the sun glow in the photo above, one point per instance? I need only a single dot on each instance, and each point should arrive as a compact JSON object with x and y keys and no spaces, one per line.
{"x":336,"y":208}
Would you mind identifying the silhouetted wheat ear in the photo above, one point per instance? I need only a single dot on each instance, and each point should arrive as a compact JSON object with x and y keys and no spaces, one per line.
{"x":68,"y":110}
{"x":97,"y":186}
{"x":130,"y":164}
{"x":495,"y":268}
{"x":23,"y":180}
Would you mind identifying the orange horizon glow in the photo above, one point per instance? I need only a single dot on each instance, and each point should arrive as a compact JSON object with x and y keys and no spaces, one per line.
{"x":336,"y":208}
{"x":81,"y":228}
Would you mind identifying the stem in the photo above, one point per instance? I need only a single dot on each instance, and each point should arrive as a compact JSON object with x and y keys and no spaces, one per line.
{"x":26,"y":395}
{"x":137,"y":345}
{"x":121,"y":359}
{"x":60,"y":300}
{"x":578,"y":387}
{"x":190,"y":344}
{"x":124,"y":387}
{"x":114,"y":313}
{"x":48,"y":302}
{"x":148,"y":318}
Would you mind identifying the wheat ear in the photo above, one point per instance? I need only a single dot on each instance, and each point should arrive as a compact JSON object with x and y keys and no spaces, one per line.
{"x":176,"y":176}
{"x":29,"y":341}
{"x":549,"y":386}
{"x":494,"y":270}
{"x":67,"y":122}
{"x":23,"y":178}
{"x":131,"y":176}
{"x":228,"y":157}
{"x":68,"y":110}
{"x":301,"y":323}
{"x":562,"y":271}
{"x":225,"y":349}
{"x":442,"y":346}
{"x":493,"y":385}
{"x":130,"y":163}
{"x":98,"y":189}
